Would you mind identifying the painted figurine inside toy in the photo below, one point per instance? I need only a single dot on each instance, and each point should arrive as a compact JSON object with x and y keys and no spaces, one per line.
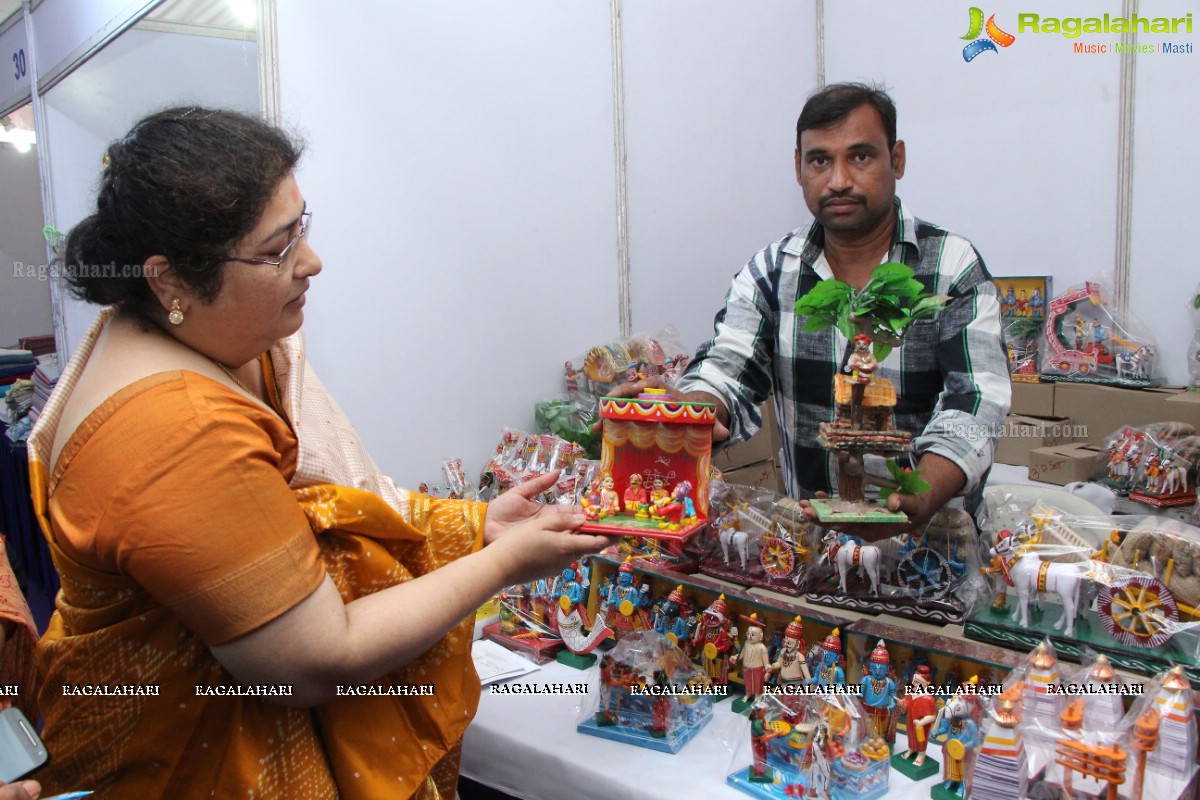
{"x":920,"y":709}
{"x":650,"y":695}
{"x":755,"y":660}
{"x":958,"y":722}
{"x":879,"y":694}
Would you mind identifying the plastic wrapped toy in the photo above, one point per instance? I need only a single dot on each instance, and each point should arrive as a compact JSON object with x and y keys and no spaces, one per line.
{"x":1165,"y":737}
{"x":920,"y":707}
{"x":932,"y":574}
{"x":1086,"y":341}
{"x":649,"y":695}
{"x":879,"y":694}
{"x":810,"y":746}
{"x":527,"y":624}
{"x":591,"y":375}
{"x":1126,"y":586}
{"x":756,"y":538}
{"x":958,"y":727}
{"x":1193,"y":353}
{"x":1022,"y":316}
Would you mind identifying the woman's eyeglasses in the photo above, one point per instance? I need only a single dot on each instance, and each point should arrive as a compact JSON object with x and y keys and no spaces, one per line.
{"x":281,"y":259}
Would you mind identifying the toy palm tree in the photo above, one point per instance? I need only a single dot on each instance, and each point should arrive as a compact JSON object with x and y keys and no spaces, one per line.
{"x":875,"y":318}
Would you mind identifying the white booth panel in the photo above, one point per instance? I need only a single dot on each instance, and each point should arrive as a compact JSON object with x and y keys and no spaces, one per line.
{"x":1166,"y":204}
{"x":460,"y":169}
{"x":712,"y":92}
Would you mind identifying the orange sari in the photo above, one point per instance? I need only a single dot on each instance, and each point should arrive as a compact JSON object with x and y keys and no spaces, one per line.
{"x":16,"y":661}
{"x":128,"y":616}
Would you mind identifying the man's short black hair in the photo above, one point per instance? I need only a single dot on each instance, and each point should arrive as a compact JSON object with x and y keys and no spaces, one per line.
{"x":835,"y":102}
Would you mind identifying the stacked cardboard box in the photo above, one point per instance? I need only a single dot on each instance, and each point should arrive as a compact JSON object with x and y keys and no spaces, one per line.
{"x":1099,"y":410}
{"x":754,"y":462}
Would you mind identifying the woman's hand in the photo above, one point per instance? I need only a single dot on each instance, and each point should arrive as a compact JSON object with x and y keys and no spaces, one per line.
{"x":544,"y":545}
{"x":517,"y":505}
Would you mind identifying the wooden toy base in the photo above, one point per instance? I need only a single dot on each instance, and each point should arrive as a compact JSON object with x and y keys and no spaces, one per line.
{"x":940,"y":792}
{"x":672,"y":742}
{"x":1170,"y":501}
{"x":575,"y":660}
{"x":834,"y":511}
{"x":775,"y":789}
{"x":946,"y":610}
{"x":905,"y":767}
{"x":540,"y":649}
{"x":995,"y":626}
{"x":1128,"y":383}
{"x":622,"y":525}
{"x":753,"y":575}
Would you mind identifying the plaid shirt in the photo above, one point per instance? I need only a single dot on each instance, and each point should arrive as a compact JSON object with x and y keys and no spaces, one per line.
{"x":951,"y":373}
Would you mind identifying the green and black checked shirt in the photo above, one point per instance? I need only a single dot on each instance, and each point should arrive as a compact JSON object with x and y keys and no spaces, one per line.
{"x":951,"y":374}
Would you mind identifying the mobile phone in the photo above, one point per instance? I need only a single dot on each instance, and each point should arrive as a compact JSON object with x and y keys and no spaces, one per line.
{"x":21,"y":750}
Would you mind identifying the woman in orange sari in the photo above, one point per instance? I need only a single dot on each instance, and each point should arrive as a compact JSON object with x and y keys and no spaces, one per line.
{"x":248,"y":607}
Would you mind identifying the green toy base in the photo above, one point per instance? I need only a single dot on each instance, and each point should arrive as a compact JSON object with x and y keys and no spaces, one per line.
{"x":742,"y":704}
{"x":866,"y":511}
{"x":996,"y":626}
{"x":575,"y":660}
{"x":905,"y":767}
{"x":940,"y":792}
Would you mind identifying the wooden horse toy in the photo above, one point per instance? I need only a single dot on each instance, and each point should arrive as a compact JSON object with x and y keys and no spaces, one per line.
{"x":1026,"y":572}
{"x":845,"y":554}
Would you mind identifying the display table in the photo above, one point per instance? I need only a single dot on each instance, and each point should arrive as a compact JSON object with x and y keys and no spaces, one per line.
{"x":527,"y":746}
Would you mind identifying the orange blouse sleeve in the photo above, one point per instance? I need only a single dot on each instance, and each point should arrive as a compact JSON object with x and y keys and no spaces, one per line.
{"x":184,"y":489}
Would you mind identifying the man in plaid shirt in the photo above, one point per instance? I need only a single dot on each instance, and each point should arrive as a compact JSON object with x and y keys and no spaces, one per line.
{"x":951,"y":374}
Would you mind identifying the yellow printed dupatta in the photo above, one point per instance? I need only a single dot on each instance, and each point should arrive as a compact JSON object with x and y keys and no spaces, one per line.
{"x":108,"y":630}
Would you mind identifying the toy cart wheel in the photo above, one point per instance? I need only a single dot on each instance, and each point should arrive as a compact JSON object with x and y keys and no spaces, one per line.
{"x":1064,"y":365}
{"x":1138,"y":610}
{"x":777,"y":557}
{"x":925,"y":573}
{"x":1083,"y":369}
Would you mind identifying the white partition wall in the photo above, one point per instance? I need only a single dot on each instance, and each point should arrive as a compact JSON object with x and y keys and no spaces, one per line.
{"x":138,"y":73}
{"x":1166,"y":197}
{"x":712,"y":92}
{"x":461,"y":175}
{"x":1017,"y":149}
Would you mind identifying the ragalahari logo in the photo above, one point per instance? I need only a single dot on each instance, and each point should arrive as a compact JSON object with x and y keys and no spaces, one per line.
{"x":995,"y":36}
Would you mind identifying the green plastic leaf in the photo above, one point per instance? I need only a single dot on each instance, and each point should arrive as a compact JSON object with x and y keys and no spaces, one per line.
{"x":890,"y":269}
{"x":819,"y":322}
{"x":909,"y":480}
{"x":828,"y":290}
{"x":880,"y":351}
{"x":929,"y":305}
{"x":848,"y":328}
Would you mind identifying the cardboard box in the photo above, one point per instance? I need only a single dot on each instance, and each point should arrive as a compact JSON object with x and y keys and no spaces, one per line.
{"x":762,"y":446}
{"x":762,"y":475}
{"x":1064,"y":463}
{"x":1184,"y":407}
{"x":1100,"y":410}
{"x":1024,"y":433}
{"x":1033,"y":399}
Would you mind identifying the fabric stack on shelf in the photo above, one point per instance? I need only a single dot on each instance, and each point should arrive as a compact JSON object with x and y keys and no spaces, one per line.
{"x":15,"y":365}
{"x":27,"y":376}
{"x":44,"y":378}
{"x":38,"y":345}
